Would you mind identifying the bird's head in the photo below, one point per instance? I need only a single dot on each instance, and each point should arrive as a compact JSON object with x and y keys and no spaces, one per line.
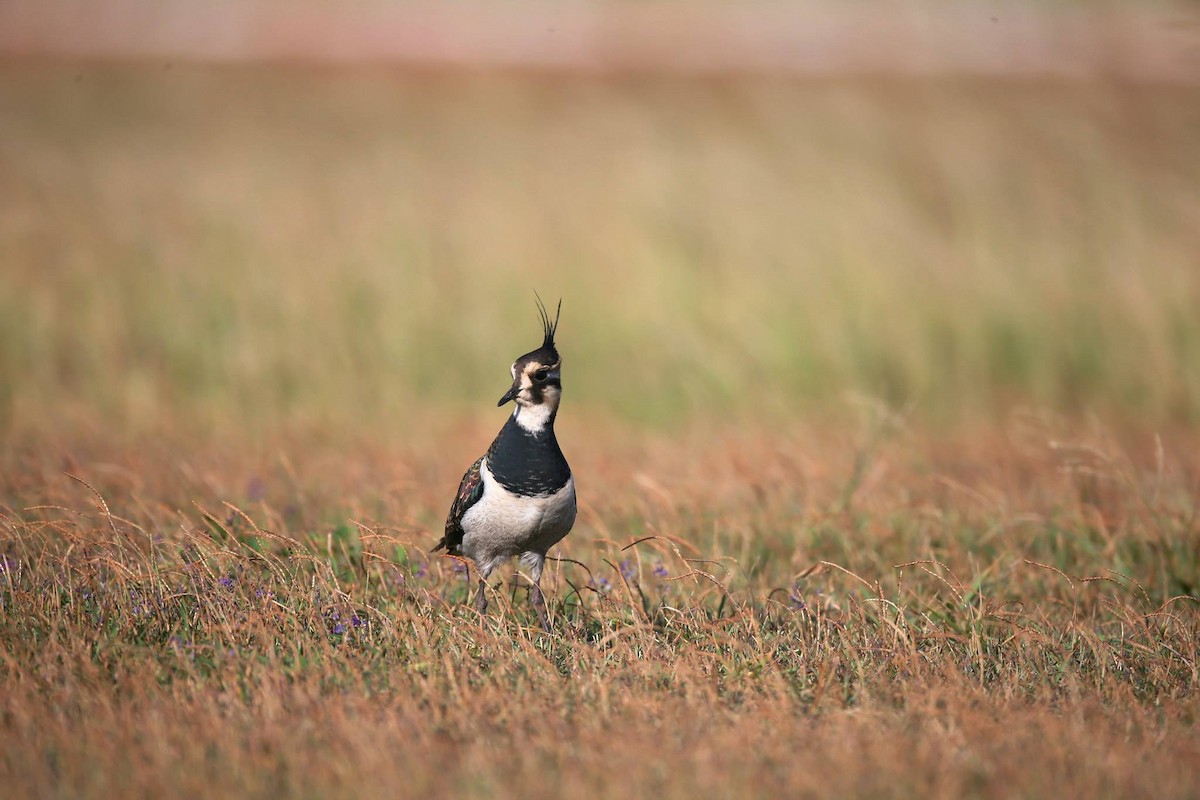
{"x":537,"y":386}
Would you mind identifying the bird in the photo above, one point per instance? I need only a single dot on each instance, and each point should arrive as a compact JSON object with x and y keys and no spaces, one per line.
{"x":518,"y":499}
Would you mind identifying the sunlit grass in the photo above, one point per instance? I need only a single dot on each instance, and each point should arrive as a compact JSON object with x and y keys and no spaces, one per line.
{"x":880,"y":398}
{"x":766,"y":610}
{"x":255,"y":243}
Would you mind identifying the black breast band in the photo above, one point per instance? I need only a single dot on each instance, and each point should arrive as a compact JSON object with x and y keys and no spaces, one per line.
{"x":527,"y":463}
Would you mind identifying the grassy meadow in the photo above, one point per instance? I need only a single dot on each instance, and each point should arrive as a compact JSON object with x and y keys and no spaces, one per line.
{"x":882,"y":399}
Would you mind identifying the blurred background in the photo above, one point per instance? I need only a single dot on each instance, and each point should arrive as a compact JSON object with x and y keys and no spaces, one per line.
{"x":265,"y":211}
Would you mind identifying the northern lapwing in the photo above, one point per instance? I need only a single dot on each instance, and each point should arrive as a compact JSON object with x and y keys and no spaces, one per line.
{"x":518,"y":499}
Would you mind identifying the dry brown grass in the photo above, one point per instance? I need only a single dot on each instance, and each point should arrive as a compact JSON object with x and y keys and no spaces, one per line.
{"x":251,"y":322}
{"x":821,"y":613}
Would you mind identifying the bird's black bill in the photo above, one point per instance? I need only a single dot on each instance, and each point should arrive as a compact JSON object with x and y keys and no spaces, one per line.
{"x":509,"y":395}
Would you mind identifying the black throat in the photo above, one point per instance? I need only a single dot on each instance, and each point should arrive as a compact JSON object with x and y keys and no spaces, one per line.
{"x":528,"y":463}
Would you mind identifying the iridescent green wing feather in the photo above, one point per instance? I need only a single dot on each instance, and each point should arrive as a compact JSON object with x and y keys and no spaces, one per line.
{"x":469,"y":492}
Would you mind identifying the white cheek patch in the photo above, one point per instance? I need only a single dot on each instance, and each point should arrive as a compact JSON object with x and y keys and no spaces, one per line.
{"x":525,"y":393}
{"x":534,"y":418}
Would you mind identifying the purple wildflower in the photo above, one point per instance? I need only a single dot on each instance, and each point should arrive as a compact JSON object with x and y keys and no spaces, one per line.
{"x":796,"y":600}
{"x":226,"y":581}
{"x":660,"y":570}
{"x":255,"y":489}
{"x":357,"y":621}
{"x":628,"y":570}
{"x":603,"y":586}
{"x":460,"y":568}
{"x":336,"y":626}
{"x":420,"y":573}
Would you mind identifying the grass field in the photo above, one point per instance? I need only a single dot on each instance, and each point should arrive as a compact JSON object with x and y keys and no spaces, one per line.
{"x":882,"y":399}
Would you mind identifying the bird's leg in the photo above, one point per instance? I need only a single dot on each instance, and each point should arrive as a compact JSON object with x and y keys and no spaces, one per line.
{"x":481,"y":598}
{"x":535,"y":561}
{"x":539,"y":605}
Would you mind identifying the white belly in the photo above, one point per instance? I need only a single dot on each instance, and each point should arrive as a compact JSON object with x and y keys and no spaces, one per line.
{"x":502,"y":525}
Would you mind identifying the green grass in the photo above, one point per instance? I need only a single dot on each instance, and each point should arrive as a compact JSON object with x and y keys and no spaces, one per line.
{"x":250,"y":243}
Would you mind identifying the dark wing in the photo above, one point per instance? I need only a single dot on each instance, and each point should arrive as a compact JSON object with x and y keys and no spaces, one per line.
{"x":469,"y":492}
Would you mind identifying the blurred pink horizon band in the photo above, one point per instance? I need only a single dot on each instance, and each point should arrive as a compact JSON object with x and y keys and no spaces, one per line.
{"x":1149,"y":43}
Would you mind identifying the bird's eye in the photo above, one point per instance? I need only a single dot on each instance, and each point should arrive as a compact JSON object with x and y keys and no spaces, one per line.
{"x":541,"y":374}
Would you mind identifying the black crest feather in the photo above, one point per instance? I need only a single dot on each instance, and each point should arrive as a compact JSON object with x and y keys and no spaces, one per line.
{"x":548,"y":328}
